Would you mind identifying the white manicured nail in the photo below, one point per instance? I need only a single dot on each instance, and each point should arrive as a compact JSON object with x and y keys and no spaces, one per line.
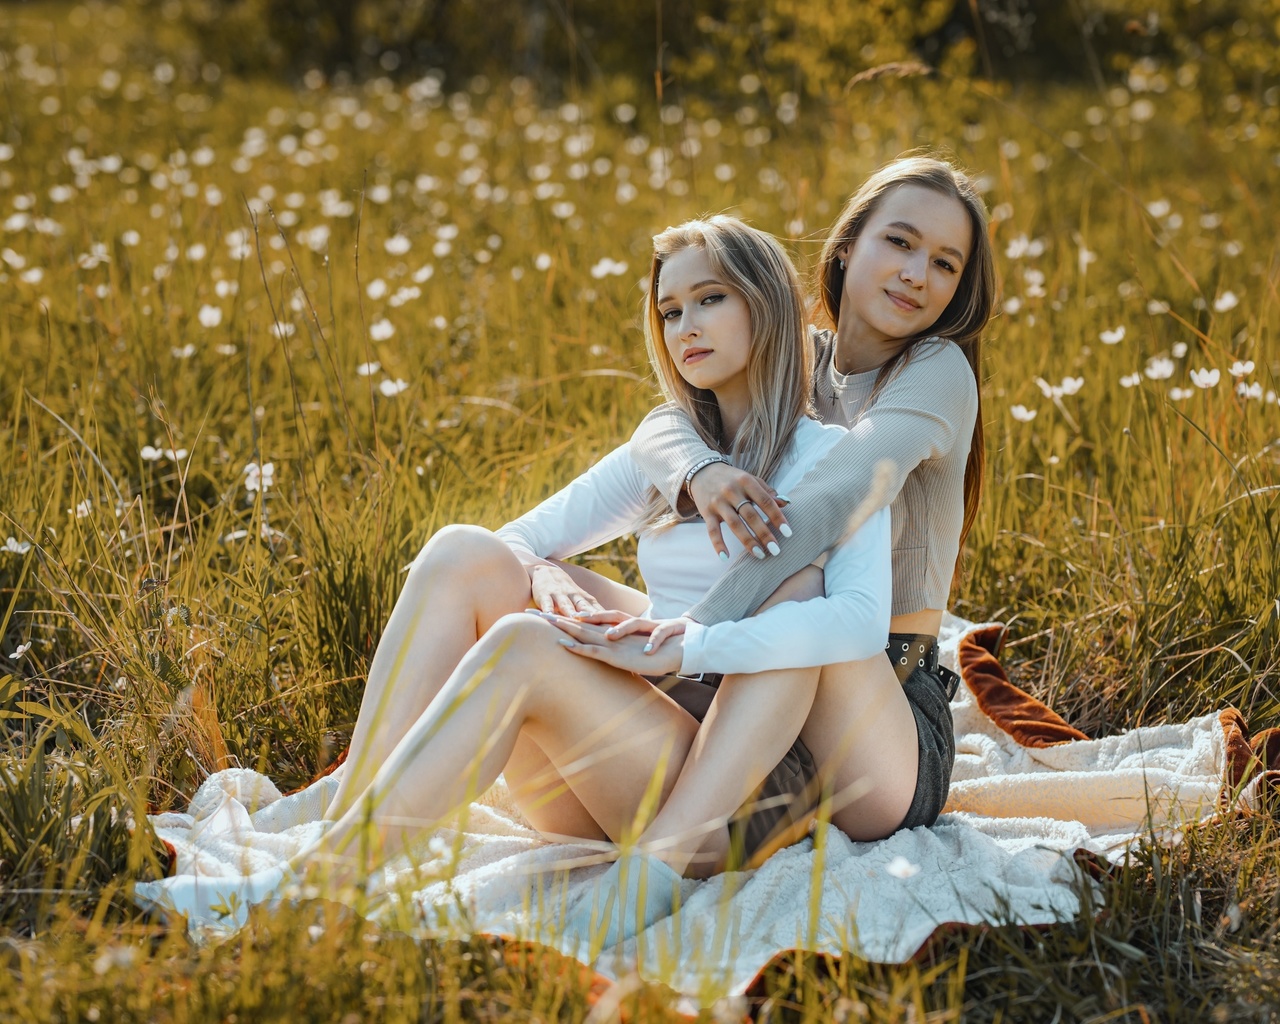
{"x":724,"y":556}
{"x":773,"y":548}
{"x":648,"y":648}
{"x":785,"y":530}
{"x":757,"y":551}
{"x":566,"y":643}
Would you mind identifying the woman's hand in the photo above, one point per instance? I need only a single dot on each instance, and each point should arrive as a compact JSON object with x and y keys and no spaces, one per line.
{"x":645,"y":646}
{"x":554,"y":591}
{"x":745,"y":503}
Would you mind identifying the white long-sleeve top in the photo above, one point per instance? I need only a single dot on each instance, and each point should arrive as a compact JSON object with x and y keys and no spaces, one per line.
{"x":679,"y":565}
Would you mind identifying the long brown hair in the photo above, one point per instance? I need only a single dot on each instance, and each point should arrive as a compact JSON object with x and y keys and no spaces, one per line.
{"x":966,"y":315}
{"x":780,"y":363}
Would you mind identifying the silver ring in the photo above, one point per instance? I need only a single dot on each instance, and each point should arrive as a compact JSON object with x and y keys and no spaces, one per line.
{"x":738,"y":507}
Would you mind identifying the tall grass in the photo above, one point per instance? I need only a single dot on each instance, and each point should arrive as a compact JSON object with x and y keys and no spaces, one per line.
{"x":172,"y":314}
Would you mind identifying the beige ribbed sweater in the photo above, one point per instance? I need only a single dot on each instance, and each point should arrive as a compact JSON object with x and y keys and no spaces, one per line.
{"x":922,"y":421}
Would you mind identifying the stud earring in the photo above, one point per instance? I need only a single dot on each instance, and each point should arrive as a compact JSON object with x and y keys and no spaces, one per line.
{"x":842,"y":263}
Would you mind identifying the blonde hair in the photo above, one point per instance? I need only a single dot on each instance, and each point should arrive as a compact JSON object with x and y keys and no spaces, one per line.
{"x":966,"y":315}
{"x":780,"y":361}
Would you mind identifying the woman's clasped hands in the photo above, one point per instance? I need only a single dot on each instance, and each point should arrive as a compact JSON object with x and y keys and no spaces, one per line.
{"x":650,"y":647}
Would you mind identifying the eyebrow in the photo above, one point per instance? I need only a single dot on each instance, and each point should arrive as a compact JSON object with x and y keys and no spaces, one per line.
{"x":902,"y":225}
{"x":693,"y":288}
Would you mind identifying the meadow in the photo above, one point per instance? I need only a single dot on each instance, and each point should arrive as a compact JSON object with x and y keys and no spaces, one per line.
{"x":259,"y":341}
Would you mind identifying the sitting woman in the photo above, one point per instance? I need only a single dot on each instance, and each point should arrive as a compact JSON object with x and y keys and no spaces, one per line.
{"x":586,"y":746}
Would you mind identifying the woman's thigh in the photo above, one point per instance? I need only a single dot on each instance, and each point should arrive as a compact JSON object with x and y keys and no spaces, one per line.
{"x":543,"y":796}
{"x":862,"y":734}
{"x":618,"y":741}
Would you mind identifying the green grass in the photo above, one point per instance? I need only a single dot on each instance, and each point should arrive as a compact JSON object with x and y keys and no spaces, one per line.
{"x":181,"y":623}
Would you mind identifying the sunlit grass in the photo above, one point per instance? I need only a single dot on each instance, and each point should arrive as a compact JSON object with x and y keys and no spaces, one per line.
{"x":416,"y":301}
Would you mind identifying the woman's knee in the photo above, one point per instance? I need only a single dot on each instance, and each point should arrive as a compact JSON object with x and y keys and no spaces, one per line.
{"x":521,"y":638}
{"x":466,"y":557}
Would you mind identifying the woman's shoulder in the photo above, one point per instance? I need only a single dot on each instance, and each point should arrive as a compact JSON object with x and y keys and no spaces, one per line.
{"x":934,"y":362}
{"x":940,"y":355}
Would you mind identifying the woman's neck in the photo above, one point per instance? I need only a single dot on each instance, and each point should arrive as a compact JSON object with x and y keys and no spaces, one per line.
{"x":857,"y":352}
{"x":734,"y":405}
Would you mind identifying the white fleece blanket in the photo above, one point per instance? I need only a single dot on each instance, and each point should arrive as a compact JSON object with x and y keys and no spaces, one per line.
{"x":1002,"y":853}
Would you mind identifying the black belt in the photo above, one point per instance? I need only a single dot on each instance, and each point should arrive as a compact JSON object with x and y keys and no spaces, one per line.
{"x":910,"y":651}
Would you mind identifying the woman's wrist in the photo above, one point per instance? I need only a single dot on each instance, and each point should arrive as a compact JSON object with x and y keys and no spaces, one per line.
{"x":698,"y":467}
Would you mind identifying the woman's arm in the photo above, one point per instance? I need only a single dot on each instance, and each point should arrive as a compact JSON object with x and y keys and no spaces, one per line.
{"x":667,"y":449}
{"x":922,"y":413}
{"x":849,"y":624}
{"x":599,"y":506}
{"x":666,"y":446}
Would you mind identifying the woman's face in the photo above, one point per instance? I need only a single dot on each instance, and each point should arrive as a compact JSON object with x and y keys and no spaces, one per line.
{"x":706,"y":324}
{"x":905,"y":265}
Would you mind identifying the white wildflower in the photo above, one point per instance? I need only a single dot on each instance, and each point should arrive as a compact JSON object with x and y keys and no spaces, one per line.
{"x":542,"y":261}
{"x":390,"y":388}
{"x":1241,"y":369}
{"x":1113,"y":337}
{"x":1180,"y":394}
{"x":130,"y":238}
{"x":397,"y":245}
{"x":608,"y":267}
{"x":1022,"y":414}
{"x":423,"y":273}
{"x":1253,"y":390}
{"x":280,"y":330}
{"x":1071,"y":385}
{"x":82,"y":510}
{"x":381,"y":330}
{"x":1225,"y":302}
{"x":209,"y":316}
{"x":259,"y":478}
{"x":376,"y":288}
{"x":1179,"y":349}
{"x":1159,"y":368}
{"x":1131,"y":380}
{"x":404,"y":294}
{"x":1203,"y":378}
{"x":20,"y":651}
{"x":15,"y":546}
{"x":1157,"y":308}
{"x":185,"y":352}
{"x":368,"y":369}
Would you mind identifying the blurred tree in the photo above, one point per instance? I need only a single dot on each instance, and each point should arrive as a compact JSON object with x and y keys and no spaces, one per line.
{"x":803,"y":47}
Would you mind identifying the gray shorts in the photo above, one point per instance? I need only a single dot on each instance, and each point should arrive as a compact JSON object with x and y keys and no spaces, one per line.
{"x":928,"y":688}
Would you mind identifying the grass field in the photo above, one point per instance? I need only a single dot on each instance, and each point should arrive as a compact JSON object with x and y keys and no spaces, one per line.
{"x":259,"y":342}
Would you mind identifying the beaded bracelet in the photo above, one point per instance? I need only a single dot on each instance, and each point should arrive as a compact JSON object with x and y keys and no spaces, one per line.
{"x":698,"y":467}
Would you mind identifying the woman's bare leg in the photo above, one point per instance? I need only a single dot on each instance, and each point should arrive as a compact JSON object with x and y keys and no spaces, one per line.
{"x":854,"y":718}
{"x":737,"y":745}
{"x":607,"y":732}
{"x":462,"y":581}
{"x":862,"y":734}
